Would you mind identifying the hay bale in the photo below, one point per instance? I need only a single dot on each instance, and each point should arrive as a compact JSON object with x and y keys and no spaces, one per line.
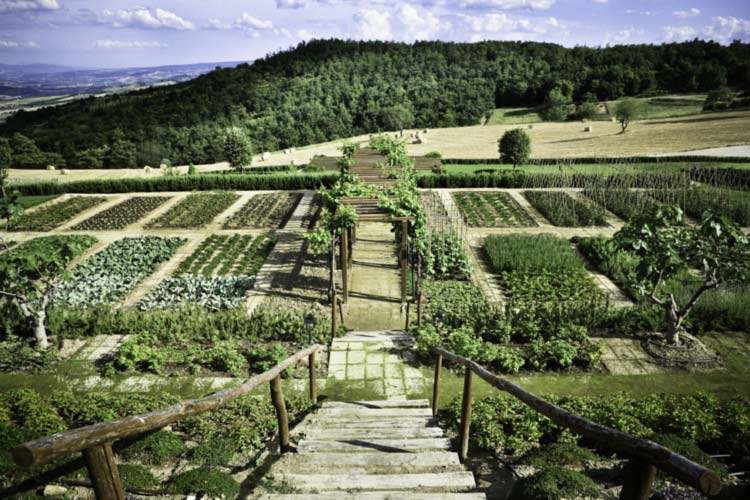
{"x":531,"y":126}
{"x":50,"y":167}
{"x":297,"y":163}
{"x":588,"y":129}
{"x":147,"y":169}
{"x":163,"y":166}
{"x":613,"y":119}
{"x":64,"y":171}
{"x":292,"y":150}
{"x":265,"y":156}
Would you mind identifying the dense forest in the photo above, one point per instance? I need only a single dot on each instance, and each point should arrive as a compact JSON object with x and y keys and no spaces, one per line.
{"x":323,"y":90}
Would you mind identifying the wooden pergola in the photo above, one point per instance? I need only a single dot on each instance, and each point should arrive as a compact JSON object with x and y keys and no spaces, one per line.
{"x":367,"y":210}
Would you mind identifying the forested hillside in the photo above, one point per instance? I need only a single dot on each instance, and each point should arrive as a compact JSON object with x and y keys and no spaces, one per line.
{"x":324,"y":90}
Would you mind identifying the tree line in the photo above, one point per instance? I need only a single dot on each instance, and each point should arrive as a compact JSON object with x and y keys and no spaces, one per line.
{"x":329,"y":89}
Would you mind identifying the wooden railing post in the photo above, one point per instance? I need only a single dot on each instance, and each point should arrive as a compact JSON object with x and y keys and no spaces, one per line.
{"x":404,"y":260}
{"x":419,"y":308}
{"x":313,"y":384}
{"x":436,"y":384}
{"x":333,"y":287}
{"x":639,"y":478}
{"x":102,"y":468}
{"x":466,"y":415}
{"x":345,"y":263}
{"x":277,"y":397}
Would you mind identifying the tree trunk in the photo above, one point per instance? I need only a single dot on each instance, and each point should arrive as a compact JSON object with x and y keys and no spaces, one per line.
{"x":673,"y":322}
{"x":40,"y":330}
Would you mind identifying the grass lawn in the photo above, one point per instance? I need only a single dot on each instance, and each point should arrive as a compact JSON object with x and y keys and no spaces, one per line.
{"x":32,"y":201}
{"x":512,"y":116}
{"x":730,"y":382}
{"x":669,"y":106}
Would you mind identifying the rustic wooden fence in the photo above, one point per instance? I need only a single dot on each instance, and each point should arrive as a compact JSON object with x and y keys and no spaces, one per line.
{"x":95,"y":441}
{"x":644,"y":456}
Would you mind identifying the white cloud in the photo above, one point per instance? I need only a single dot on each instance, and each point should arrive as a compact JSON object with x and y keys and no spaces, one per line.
{"x":417,"y":25}
{"x":248,"y":22}
{"x":141,"y":17}
{"x":217,"y":24}
{"x":684,"y":14}
{"x":679,"y":33}
{"x":639,"y":12}
{"x":291,"y":4}
{"x":600,"y":1}
{"x":12,"y":44}
{"x":119,"y":44}
{"x":625,"y":35}
{"x":26,"y":5}
{"x":726,"y":29}
{"x":500,"y":25}
{"x":250,"y":25}
{"x":373,"y":24}
{"x":509,"y":4}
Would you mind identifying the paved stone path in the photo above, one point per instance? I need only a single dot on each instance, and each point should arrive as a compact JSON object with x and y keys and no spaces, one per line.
{"x":377,"y":361}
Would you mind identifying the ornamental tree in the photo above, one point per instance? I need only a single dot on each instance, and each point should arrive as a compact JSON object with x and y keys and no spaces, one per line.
{"x":626,"y":110}
{"x":716,"y":248}
{"x":515,"y":147}
{"x":238,"y":149}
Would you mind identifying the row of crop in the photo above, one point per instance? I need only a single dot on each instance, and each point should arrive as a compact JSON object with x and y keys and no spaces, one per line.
{"x":203,"y":182}
{"x":197,"y":210}
{"x":699,"y":199}
{"x":605,"y":160}
{"x":734,"y":178}
{"x":222,"y":254}
{"x":561,"y":209}
{"x":203,"y":446}
{"x":123,"y":214}
{"x":486,"y":209}
{"x":51,"y":216}
{"x":525,"y":180}
{"x":110,"y":275}
{"x":270,"y":210}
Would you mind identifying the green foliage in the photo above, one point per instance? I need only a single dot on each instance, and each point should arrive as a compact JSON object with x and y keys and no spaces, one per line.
{"x":262,"y":358}
{"x":531,"y":254}
{"x":213,"y":483}
{"x":271,"y":210}
{"x":515,"y":147}
{"x":446,"y":257}
{"x":554,"y":483}
{"x":26,"y":408}
{"x":123,"y":214}
{"x":18,"y":354}
{"x":238,"y":149}
{"x":114,"y":272}
{"x":719,"y":99}
{"x":626,"y":110}
{"x":157,"y":448}
{"x":136,"y":476}
{"x":563,"y":210}
{"x":197,"y":210}
{"x":217,"y":451}
{"x":51,"y":216}
{"x":488,"y":209}
{"x":211,"y":292}
{"x":557,"y":103}
{"x":121,"y":154}
{"x":687,"y":448}
{"x":223,"y":255}
{"x":558,"y":454}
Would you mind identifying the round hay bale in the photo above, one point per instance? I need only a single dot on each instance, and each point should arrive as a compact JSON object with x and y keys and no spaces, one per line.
{"x":147,"y":169}
{"x":50,"y":167}
{"x":292,"y":150}
{"x":588,"y":129}
{"x":297,"y":163}
{"x":613,"y":119}
{"x":531,"y":126}
{"x":266,"y":156}
{"x":163,"y":166}
{"x":64,"y":171}
{"x":425,"y":131}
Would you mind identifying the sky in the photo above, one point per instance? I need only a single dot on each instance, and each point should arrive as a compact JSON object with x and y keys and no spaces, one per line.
{"x":122,"y":33}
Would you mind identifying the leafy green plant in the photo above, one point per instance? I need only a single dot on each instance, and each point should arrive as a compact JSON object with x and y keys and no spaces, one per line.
{"x":197,"y":210}
{"x":487,"y":209}
{"x":271,"y":210}
{"x":555,"y":482}
{"x":157,"y":448}
{"x":49,"y":217}
{"x":136,"y":476}
{"x":213,"y":483}
{"x":213,"y":293}
{"x":532,"y":254}
{"x":563,"y":210}
{"x":122,"y":214}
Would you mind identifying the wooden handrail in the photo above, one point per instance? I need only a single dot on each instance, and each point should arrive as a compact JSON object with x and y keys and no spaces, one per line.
{"x":641,"y":451}
{"x":94,"y":436}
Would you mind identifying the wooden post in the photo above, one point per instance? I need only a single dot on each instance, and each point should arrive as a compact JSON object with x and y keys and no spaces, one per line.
{"x":465,"y":416}
{"x":404,"y":258}
{"x":436,"y":384}
{"x":313,"y":386}
{"x":334,"y":299}
{"x":277,"y":397}
{"x":419,"y":308}
{"x":350,"y":239}
{"x":102,"y":468}
{"x":345,"y":263}
{"x":408,"y":313}
{"x":639,"y":477}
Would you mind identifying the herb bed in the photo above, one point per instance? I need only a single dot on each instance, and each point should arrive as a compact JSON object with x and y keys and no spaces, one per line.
{"x":123,"y":214}
{"x":52,"y":216}
{"x":270,"y":210}
{"x":197,"y":210}
{"x":492,"y":209}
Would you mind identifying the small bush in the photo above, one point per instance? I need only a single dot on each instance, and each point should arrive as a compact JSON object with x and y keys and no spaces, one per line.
{"x":212,"y":483}
{"x":215,"y":451}
{"x":689,"y":449}
{"x":554,"y":483}
{"x":567,"y":454}
{"x":136,"y":476}
{"x":158,"y":448}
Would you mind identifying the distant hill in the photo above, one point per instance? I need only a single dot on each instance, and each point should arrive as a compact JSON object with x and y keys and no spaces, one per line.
{"x":324,"y":90}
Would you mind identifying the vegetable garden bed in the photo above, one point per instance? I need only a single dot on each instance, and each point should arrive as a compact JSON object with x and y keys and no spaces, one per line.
{"x":487,"y":209}
{"x":565,"y":211}
{"x":196,"y":210}
{"x":52,"y":216}
{"x":123,"y":214}
{"x":621,"y":202}
{"x":270,"y":210}
{"x":222,"y":254}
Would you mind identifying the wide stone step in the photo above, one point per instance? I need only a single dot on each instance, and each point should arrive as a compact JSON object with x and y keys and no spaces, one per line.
{"x":372,"y":423}
{"x":374,"y":445}
{"x":369,"y":463}
{"x":444,"y":482}
{"x":376,"y":495}
{"x":382,"y":413}
{"x":374,"y":405}
{"x":373,"y":433}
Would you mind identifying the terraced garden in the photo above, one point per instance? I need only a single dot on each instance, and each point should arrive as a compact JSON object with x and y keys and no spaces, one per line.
{"x":123,"y":214}
{"x":54,"y":215}
{"x":270,"y":210}
{"x":195,"y":211}
{"x":492,"y":209}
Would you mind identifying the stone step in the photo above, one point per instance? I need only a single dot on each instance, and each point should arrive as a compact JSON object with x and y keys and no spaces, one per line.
{"x":373,"y":433}
{"x":408,"y":403}
{"x":376,"y":495}
{"x":444,"y":482}
{"x":368,"y":463}
{"x":374,"y":445}
{"x":374,"y":423}
{"x":381,"y":413}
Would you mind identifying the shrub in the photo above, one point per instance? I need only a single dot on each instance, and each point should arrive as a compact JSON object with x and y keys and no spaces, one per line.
{"x":692,"y":451}
{"x":135,"y":476}
{"x":263,"y":358}
{"x":212,"y":483}
{"x":238,"y":149}
{"x":626,"y":110}
{"x":554,"y":483}
{"x":515,"y":147}
{"x":567,"y":454}
{"x":158,"y":448}
{"x":216,"y":451}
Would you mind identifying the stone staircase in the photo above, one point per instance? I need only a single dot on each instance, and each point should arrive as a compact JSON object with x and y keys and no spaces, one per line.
{"x":370,"y":450}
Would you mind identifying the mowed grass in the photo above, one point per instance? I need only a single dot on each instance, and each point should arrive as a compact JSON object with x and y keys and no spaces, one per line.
{"x":33,"y":201}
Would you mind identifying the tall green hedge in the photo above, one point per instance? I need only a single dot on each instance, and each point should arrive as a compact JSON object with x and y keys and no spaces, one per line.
{"x":604,"y":160}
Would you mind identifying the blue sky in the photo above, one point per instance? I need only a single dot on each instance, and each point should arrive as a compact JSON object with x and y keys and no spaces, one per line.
{"x":114,"y":33}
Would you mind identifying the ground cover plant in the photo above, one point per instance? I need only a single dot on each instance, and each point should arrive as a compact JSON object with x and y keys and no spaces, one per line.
{"x":222,"y":254}
{"x":51,"y":216}
{"x":123,"y":214}
{"x":205,"y":447}
{"x":113,"y":273}
{"x":486,"y":209}
{"x":211,"y":292}
{"x":563,"y":210}
{"x":270,"y":210}
{"x":197,"y":210}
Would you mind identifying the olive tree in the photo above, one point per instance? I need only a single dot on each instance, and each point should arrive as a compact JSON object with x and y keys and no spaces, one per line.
{"x":716,"y":249}
{"x":626,"y":110}
{"x":238,"y":149}
{"x":515,"y":147}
